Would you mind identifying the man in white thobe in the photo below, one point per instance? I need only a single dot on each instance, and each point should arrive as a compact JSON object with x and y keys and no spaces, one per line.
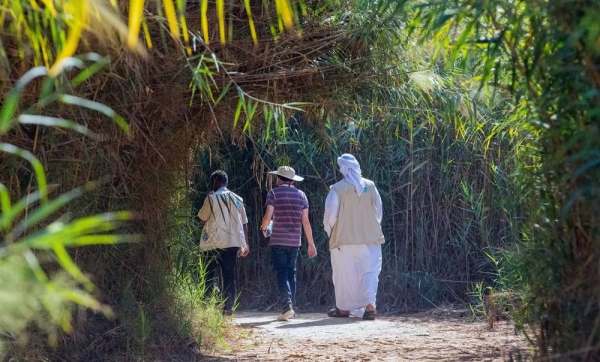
{"x":352,"y":220}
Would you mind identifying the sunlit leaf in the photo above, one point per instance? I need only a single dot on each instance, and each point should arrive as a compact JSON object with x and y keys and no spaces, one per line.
{"x":221,"y":19}
{"x":87,"y":72}
{"x":4,"y":201}
{"x":136,"y":10}
{"x":38,"y":168}
{"x":268,"y":119}
{"x":86,"y":300}
{"x":204,"y":20}
{"x":12,"y":100}
{"x":147,"y":34}
{"x":223,"y":93}
{"x":44,"y":211}
{"x":171,"y":18}
{"x":70,"y":233}
{"x":55,"y":122}
{"x":238,"y":111}
{"x":6,"y":219}
{"x":186,"y":34}
{"x":72,"y":42}
{"x":69,"y":265}
{"x":96,"y":106}
{"x":285,"y":11}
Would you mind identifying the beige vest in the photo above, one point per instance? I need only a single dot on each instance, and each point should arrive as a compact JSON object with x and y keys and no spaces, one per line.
{"x":225,"y":216}
{"x":357,"y":221}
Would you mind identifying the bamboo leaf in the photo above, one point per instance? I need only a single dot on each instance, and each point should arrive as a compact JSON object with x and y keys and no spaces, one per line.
{"x":11,"y":102}
{"x":230,"y":21}
{"x":419,"y":166}
{"x":4,"y":202}
{"x":136,"y":9}
{"x":184,"y":30}
{"x":285,"y":12}
{"x":70,"y":267}
{"x":72,"y":42}
{"x":68,"y":50}
{"x":204,"y":20}
{"x":7,"y":218}
{"x":147,"y":35}
{"x":34,"y":264}
{"x":86,"y":300}
{"x":238,"y":111}
{"x":171,"y":18}
{"x":38,"y":168}
{"x":104,"y":240}
{"x":246,"y":125}
{"x":283,"y":122}
{"x":55,"y":122}
{"x":242,"y":98}
{"x":223,"y":93}
{"x":216,"y":62}
{"x":72,"y":233}
{"x":251,"y":21}
{"x":87,"y":72}
{"x":221,"y":19}
{"x":44,"y":211}
{"x":293,"y":105}
{"x":99,"y":107}
{"x":444,"y":17}
{"x":252,"y":110}
{"x":268,"y":120}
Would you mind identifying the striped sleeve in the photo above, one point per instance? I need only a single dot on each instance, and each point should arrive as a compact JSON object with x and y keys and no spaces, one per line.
{"x":304,"y":201}
{"x":271,"y":198}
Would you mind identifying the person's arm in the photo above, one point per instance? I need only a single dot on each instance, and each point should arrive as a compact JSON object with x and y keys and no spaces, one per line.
{"x":267,"y":218}
{"x":378,"y":206}
{"x":246,"y":249}
{"x":312,"y":249}
{"x":331,"y":211}
{"x":269,"y":211}
{"x":205,"y":211}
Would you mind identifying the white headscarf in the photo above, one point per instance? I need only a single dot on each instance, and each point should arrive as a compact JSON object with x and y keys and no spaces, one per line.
{"x":350,"y":168}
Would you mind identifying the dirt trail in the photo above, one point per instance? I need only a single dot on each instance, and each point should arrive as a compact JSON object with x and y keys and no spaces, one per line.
{"x":424,"y":337}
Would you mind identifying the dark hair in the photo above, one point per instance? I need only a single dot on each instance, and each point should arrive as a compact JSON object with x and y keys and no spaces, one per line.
{"x":284,"y":179}
{"x":219,"y":178}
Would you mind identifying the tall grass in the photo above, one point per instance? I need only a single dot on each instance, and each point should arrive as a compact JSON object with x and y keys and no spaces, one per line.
{"x":137,"y":170}
{"x":53,"y":30}
{"x":40,"y":283}
{"x":442,"y":150}
{"x":545,"y":54}
{"x":444,"y":161}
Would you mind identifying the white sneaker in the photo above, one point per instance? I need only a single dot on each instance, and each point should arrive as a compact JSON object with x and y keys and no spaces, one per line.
{"x":285,"y":316}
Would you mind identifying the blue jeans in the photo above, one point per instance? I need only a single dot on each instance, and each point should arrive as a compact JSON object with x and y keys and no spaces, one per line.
{"x":284,"y":263}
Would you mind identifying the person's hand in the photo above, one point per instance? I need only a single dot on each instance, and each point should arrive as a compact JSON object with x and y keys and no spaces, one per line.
{"x":245,"y":251}
{"x":312,"y":250}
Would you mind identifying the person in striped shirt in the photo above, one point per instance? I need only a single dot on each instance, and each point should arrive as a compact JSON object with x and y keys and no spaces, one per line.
{"x":287,"y":207}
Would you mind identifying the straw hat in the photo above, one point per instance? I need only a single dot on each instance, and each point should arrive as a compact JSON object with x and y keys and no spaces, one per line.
{"x":287,"y":172}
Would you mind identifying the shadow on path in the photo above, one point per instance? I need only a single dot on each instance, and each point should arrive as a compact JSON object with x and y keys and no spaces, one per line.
{"x":256,"y":324}
{"x":321,"y":322}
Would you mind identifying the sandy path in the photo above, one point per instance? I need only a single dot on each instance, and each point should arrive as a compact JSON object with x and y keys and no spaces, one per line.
{"x":315,"y":337}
